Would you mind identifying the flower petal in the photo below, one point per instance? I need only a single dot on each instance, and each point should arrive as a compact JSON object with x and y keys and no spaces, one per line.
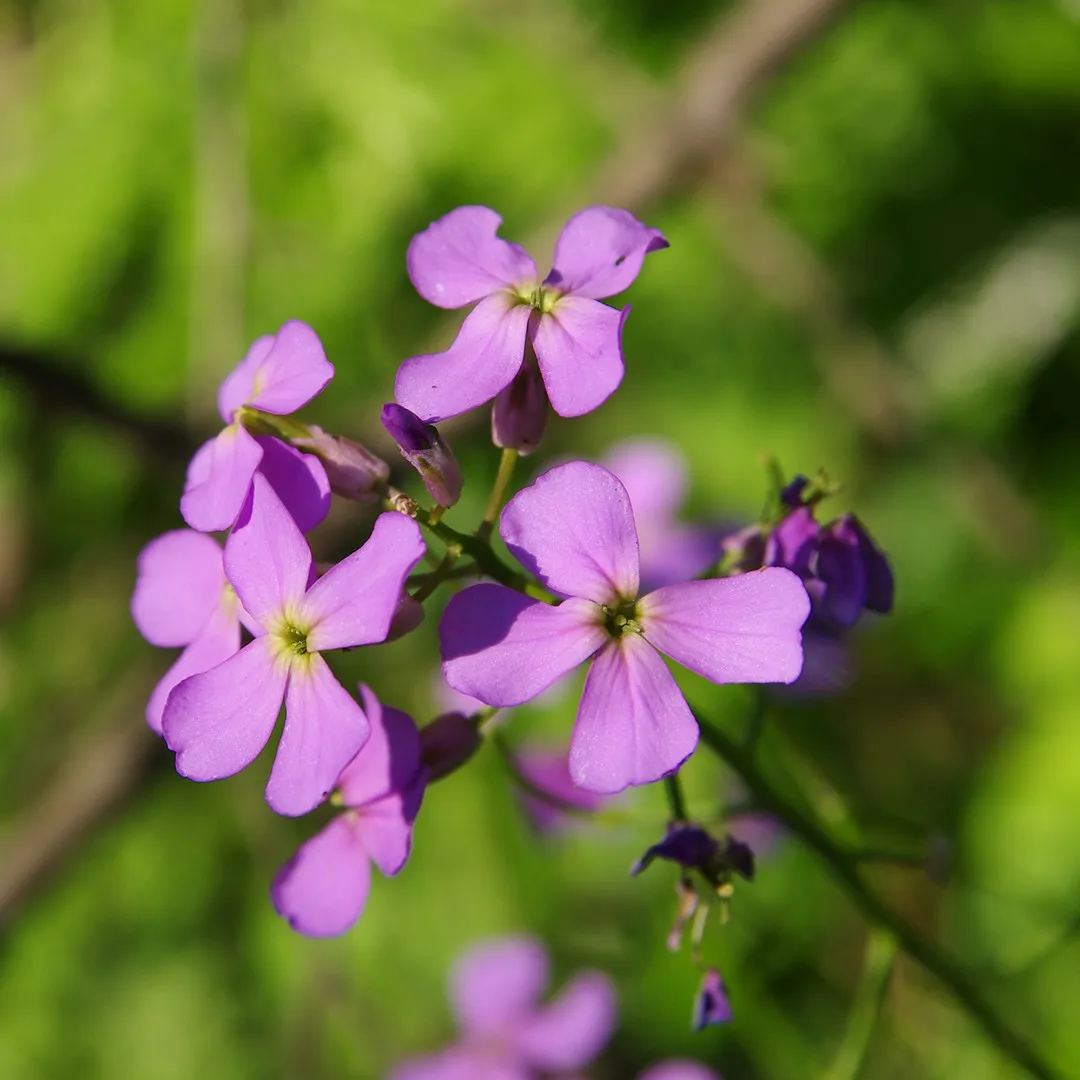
{"x":572,"y":1030}
{"x":267,"y":559}
{"x":739,"y":629}
{"x":239,"y":385}
{"x":354,"y":601}
{"x":548,"y":771}
{"x":459,"y":259}
{"x":505,"y":648}
{"x":216,"y":722}
{"x":573,"y":528}
{"x":654,"y":475}
{"x":458,"y":1063}
{"x":679,"y":1070}
{"x":386,"y":825}
{"x":179,"y":581}
{"x":484,"y":358}
{"x":579,"y":349}
{"x":496,"y":985}
{"x":633,"y":725}
{"x":600,"y":252}
{"x":324,"y":730}
{"x":219,"y":478}
{"x":217,"y":641}
{"x":322,"y":889}
{"x":390,"y":758}
{"x":293,"y":372}
{"x":299,"y":481}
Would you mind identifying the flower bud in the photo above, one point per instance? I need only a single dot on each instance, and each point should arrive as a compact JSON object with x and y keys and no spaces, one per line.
{"x":447,"y":743}
{"x":519,"y":414}
{"x":711,"y":1005}
{"x":354,"y":472}
{"x":425,"y":449}
{"x":408,"y":615}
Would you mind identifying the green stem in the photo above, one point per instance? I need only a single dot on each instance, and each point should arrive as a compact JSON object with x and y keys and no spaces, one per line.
{"x":498,"y":490}
{"x":676,"y":799}
{"x":439,"y":574}
{"x":945,"y":968}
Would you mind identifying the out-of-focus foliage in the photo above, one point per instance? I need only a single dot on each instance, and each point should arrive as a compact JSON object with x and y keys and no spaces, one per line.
{"x":177,"y":177}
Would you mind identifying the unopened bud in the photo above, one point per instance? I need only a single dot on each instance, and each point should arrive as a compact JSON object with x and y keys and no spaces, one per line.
{"x":353,"y":471}
{"x":711,"y":1005}
{"x":520,"y":412}
{"x":408,"y":615}
{"x":447,"y":743}
{"x":426,"y":450}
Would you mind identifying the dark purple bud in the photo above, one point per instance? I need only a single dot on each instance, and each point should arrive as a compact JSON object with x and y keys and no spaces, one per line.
{"x":711,"y":1005}
{"x":792,"y":494}
{"x":740,"y":858}
{"x":744,"y":550}
{"x":688,"y":845}
{"x":425,"y":449}
{"x":447,"y":743}
{"x":354,"y":472}
{"x":408,"y":615}
{"x":792,"y":542}
{"x":879,"y":575}
{"x":519,"y":415}
{"x":853,"y":570}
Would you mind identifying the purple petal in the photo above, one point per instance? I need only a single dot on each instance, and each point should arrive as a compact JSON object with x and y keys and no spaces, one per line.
{"x":633,"y":725}
{"x":219,"y":478}
{"x":505,"y":648}
{"x":267,"y":559}
{"x":496,"y":985}
{"x":218,"y":640}
{"x":791,"y":543}
{"x":386,"y":825}
{"x":390,"y":758}
{"x":216,"y":722}
{"x":549,"y":772}
{"x":178,"y":584}
{"x":579,"y":350}
{"x":574,"y":529}
{"x":459,"y":259}
{"x":354,"y":602}
{"x":654,"y":475}
{"x":239,"y":385}
{"x":678,"y":1070}
{"x":711,"y":1006}
{"x":299,"y":481}
{"x":740,"y":629}
{"x":520,"y":412}
{"x":293,"y":372}
{"x":460,"y":1063}
{"x":484,"y":358}
{"x":322,"y":889}
{"x":572,"y":1030}
{"x":600,"y":252}
{"x":324,"y":730}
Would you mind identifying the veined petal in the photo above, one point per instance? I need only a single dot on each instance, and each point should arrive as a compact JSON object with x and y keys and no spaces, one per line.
{"x":494,"y":986}
{"x":299,"y":481}
{"x":217,"y":641}
{"x":459,"y":259}
{"x":600,"y":252}
{"x":322,"y":889}
{"x":505,"y":648}
{"x":579,"y":349}
{"x":293,"y":372}
{"x":633,"y":725}
{"x":573,"y":528}
{"x":484,"y":358}
{"x":216,"y":722}
{"x":239,"y":385}
{"x":219,"y":478}
{"x":267,"y":559}
{"x":739,"y":629}
{"x":390,"y":758}
{"x":354,"y":601}
{"x":324,"y":730}
{"x":572,"y":1030}
{"x":386,"y":825}
{"x":178,"y":583}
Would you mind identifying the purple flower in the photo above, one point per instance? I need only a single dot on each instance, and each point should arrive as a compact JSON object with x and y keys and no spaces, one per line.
{"x":218,"y":721}
{"x":688,"y":845}
{"x":447,"y":743}
{"x":181,"y":597}
{"x":426,"y":451}
{"x":459,"y":260}
{"x":679,"y":1069}
{"x":711,"y":1005}
{"x":505,"y":1034}
{"x":548,"y":771}
{"x":280,"y":374}
{"x":654,"y":475}
{"x":322,"y":890}
{"x":574,"y":529}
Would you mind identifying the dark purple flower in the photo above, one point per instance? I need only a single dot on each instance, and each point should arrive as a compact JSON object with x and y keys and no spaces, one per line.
{"x":688,"y":845}
{"x":447,"y":743}
{"x":711,"y":1005}
{"x":505,"y":1033}
{"x":574,"y":529}
{"x":459,"y":260}
{"x":426,"y":451}
{"x":322,"y":890}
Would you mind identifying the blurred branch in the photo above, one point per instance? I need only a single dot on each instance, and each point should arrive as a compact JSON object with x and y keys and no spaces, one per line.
{"x":844,"y":867}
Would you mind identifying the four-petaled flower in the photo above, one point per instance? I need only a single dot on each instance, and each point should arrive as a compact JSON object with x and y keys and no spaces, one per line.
{"x":573,"y":528}
{"x":459,"y":260}
{"x":323,"y":888}
{"x":218,"y":721}
{"x":505,"y":1034}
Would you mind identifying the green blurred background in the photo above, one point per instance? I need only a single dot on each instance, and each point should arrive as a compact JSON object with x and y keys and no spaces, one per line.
{"x":874,"y":216}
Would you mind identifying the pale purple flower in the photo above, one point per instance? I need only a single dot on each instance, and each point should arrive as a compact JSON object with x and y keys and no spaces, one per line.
{"x":548,"y":771}
{"x":459,"y":260}
{"x":217,"y":722}
{"x":574,"y":529}
{"x":181,"y":597}
{"x":504,"y":1031}
{"x":322,"y":890}
{"x":679,"y":1069}
{"x":281,"y":373}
